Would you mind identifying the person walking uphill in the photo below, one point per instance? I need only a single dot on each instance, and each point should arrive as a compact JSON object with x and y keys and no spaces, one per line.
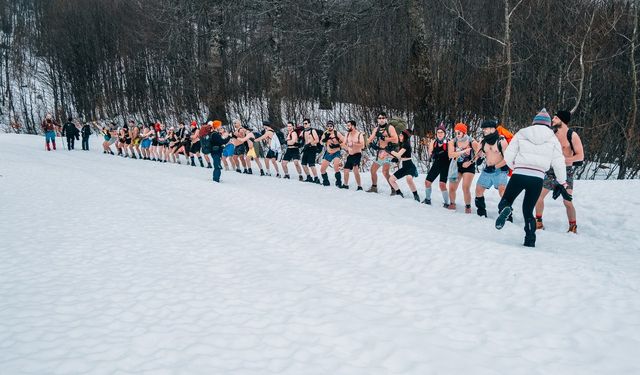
{"x":532,"y":151}
{"x":71,"y":132}
{"x":573,"y":157}
{"x":218,"y":139}
{"x":86,"y":132}
{"x":49,"y":127}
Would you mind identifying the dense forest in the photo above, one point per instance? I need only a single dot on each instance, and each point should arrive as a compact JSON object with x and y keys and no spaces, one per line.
{"x":428,"y":61}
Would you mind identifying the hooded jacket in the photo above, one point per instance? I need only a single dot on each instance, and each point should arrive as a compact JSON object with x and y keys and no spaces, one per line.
{"x":534,"y":150}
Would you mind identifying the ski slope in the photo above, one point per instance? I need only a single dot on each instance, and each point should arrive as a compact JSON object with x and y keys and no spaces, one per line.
{"x":118,"y":266}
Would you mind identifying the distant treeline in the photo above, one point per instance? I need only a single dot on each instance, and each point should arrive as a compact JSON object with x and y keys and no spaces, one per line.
{"x":432,"y":61}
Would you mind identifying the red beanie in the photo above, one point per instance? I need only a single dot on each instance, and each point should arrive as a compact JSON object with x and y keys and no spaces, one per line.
{"x":460,"y":127}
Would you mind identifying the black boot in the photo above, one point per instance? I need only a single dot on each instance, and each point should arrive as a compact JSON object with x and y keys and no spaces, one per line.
{"x":261,"y":172}
{"x":399,"y":193}
{"x":338,"y":179}
{"x":505,"y":212}
{"x":416,"y":196}
{"x":530,"y":232}
{"x":209,"y":166}
{"x":325,"y":180}
{"x":200,"y":160}
{"x":249,"y":171}
{"x":316,"y":180}
{"x":482,"y":207}
{"x":193,"y":163}
{"x":308,"y":179}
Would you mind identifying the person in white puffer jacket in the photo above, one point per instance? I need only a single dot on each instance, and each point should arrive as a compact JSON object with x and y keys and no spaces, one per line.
{"x":531,"y":152}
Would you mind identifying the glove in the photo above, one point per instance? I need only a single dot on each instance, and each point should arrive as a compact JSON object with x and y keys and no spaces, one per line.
{"x":561,"y":190}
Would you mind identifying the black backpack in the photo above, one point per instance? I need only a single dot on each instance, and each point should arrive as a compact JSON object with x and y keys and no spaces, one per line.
{"x":281,"y":138}
{"x":570,"y":139}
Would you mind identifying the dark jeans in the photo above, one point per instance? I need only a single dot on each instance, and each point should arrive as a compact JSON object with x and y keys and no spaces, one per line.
{"x":85,"y":143}
{"x":70,"y":141}
{"x":217,"y":167}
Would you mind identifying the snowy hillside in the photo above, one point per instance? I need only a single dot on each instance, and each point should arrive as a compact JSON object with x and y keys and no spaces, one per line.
{"x":119,"y":266}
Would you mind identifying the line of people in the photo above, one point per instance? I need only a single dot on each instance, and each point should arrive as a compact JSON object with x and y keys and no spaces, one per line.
{"x":548,"y":151}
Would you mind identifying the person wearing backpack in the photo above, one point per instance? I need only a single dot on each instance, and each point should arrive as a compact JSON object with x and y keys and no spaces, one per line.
{"x":440,"y":167}
{"x":218,"y":139}
{"x":408,"y":168}
{"x":532,"y":152}
{"x":49,"y":127}
{"x":71,"y":132}
{"x":462,"y":149}
{"x":275,"y":147}
{"x":86,"y":132}
{"x":333,"y":141}
{"x":309,"y":150}
{"x":386,"y":140}
{"x":354,"y":141}
{"x":292,"y":153}
{"x":574,"y":156}
{"x":495,"y":172}
{"x":205,"y":142}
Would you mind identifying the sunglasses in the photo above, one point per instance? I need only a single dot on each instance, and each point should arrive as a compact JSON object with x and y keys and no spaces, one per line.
{"x":381,"y":118}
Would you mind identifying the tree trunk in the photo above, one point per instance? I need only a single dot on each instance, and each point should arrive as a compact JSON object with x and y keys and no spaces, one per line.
{"x":274,"y":92}
{"x":420,"y":67}
{"x":631,"y":136}
{"x":507,"y":48}
{"x":215,"y":67}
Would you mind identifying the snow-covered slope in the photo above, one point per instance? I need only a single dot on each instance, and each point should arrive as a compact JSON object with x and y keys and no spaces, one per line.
{"x":119,"y":266}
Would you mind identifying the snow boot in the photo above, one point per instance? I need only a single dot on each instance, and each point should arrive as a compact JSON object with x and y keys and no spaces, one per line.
{"x":481,"y":206}
{"x":249,"y":171}
{"x":397,"y":192}
{"x":338,"y":179}
{"x":286,"y":177}
{"x":325,"y":180}
{"x":539,"y":224}
{"x":346,"y":187}
{"x":300,"y":178}
{"x":373,"y":189}
{"x":308,"y":179}
{"x":316,"y":180}
{"x":427,"y":201}
{"x":530,"y":232}
{"x":49,"y":148}
{"x":262,"y":173}
{"x":359,"y":188}
{"x":201,"y":162}
{"x":53,"y":143}
{"x":502,"y":218}
{"x":416,"y":197}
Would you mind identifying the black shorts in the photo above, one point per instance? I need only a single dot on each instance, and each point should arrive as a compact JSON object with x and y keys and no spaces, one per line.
{"x":272,"y":154}
{"x":240,"y":149}
{"x":469,"y":169}
{"x":127,"y":141}
{"x":309,"y":157}
{"x":195,"y":147}
{"x":408,"y":169}
{"x":291,"y":154}
{"x":439,"y":168}
{"x":154,"y":142}
{"x":353,"y":161}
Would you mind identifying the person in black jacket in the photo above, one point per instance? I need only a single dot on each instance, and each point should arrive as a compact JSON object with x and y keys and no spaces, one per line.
{"x":69,"y":129}
{"x":218,"y":139}
{"x":86,"y":132}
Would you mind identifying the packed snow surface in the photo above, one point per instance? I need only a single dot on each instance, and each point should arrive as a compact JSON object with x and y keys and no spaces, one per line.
{"x":118,"y":266}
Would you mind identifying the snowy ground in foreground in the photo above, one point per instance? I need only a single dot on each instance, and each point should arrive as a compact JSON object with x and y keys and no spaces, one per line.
{"x":118,"y":266}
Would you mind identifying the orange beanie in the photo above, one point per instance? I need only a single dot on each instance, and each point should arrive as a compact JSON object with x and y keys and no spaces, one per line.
{"x":217,"y":124}
{"x":460,"y":127}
